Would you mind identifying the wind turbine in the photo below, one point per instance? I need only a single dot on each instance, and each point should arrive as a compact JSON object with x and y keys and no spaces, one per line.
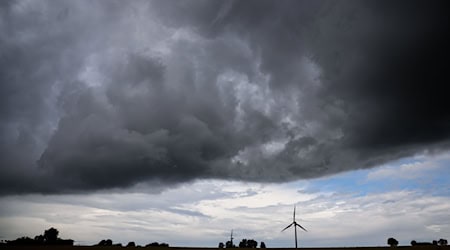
{"x":295,"y":228}
{"x":231,"y":238}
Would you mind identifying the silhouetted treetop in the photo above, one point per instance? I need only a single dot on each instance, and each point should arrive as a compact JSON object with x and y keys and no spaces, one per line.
{"x":248,"y":243}
{"x":105,"y":243}
{"x":442,"y":242}
{"x":156,"y":244}
{"x":51,"y":235}
{"x":229,"y":244}
{"x":392,"y":242}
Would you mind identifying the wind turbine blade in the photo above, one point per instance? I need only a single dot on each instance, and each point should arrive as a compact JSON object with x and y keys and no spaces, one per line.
{"x":288,"y":226}
{"x":301,"y":227}
{"x":294,"y":212}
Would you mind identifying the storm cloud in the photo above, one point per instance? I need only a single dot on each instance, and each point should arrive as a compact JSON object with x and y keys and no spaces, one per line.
{"x":110,"y":94}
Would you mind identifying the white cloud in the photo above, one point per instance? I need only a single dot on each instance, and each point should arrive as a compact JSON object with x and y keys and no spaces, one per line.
{"x":204,"y":212}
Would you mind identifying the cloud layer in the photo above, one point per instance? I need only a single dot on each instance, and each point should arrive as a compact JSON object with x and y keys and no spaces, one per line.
{"x":204,"y":219}
{"x":407,"y":205}
{"x":101,"y":94}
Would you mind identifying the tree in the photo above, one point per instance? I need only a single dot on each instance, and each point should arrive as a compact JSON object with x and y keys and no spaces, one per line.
{"x":243,"y":243}
{"x":131,"y":244}
{"x":413,"y":243}
{"x":250,"y":243}
{"x":39,"y":239}
{"x":392,"y":242}
{"x":156,"y":244}
{"x":51,"y":235}
{"x":228,"y":244}
{"x":442,"y":242}
{"x":105,"y":243}
{"x":221,"y":245}
{"x":101,"y":243}
{"x":262,"y":245}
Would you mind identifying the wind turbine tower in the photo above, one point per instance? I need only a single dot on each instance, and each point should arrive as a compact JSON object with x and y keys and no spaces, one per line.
{"x":295,"y":224}
{"x":231,"y":238}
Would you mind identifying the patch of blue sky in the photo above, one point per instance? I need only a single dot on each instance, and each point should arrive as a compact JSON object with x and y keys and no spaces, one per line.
{"x":348,"y":182}
{"x":420,"y":174}
{"x":439,"y":180}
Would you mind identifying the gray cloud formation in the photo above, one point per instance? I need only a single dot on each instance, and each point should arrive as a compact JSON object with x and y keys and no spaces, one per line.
{"x":102,"y":94}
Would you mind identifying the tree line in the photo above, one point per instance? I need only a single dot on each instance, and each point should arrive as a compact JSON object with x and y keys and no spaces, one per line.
{"x":50,"y":238}
{"x":441,"y":242}
{"x":109,"y":243}
{"x":245,"y":243}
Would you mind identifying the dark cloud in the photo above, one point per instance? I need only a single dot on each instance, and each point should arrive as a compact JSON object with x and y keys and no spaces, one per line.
{"x":99,"y":95}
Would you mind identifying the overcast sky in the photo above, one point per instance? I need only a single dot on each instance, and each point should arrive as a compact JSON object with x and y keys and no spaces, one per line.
{"x":178,"y":121}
